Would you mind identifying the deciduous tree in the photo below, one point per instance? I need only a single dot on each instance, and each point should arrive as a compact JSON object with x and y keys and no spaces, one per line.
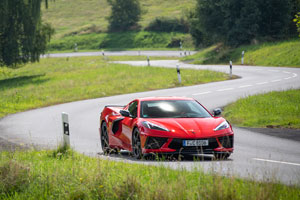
{"x":237,"y":22}
{"x":23,"y":36}
{"x":125,"y":15}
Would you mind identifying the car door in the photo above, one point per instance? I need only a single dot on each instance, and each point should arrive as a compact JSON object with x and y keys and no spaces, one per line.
{"x":128,"y":123}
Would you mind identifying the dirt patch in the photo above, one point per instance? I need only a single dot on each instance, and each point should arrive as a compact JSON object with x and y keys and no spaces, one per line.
{"x":291,"y":134}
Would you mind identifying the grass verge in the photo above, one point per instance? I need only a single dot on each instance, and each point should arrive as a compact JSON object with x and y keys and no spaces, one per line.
{"x":121,"y":41}
{"x":274,"y":109}
{"x":66,"y":174}
{"x":59,"y":80}
{"x":283,"y":53}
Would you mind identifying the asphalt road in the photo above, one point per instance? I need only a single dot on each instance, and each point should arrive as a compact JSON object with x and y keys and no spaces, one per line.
{"x":123,"y":53}
{"x":257,"y":156}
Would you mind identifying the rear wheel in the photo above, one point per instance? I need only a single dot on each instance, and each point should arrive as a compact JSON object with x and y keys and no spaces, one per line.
{"x":136,"y":144}
{"x":104,"y":139}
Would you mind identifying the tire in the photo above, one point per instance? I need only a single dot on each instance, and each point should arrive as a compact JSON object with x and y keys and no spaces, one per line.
{"x":104,"y":139}
{"x":136,"y":144}
{"x":221,"y":156}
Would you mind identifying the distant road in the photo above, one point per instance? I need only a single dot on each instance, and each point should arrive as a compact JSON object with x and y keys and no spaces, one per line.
{"x":122,"y":53}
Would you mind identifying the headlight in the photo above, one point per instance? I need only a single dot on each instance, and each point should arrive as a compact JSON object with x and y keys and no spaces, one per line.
{"x":154,"y":126}
{"x":222,"y":126}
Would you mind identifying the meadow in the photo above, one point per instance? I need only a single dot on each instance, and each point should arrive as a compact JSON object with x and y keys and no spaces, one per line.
{"x":71,"y":17}
{"x":65,"y":174}
{"x":274,"y":109}
{"x":59,"y":80}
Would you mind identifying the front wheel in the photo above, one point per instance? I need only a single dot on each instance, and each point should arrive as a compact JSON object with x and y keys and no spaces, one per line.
{"x":136,"y":144}
{"x":104,"y":139}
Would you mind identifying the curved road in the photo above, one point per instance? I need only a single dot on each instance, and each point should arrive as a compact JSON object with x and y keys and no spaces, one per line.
{"x":257,"y":156}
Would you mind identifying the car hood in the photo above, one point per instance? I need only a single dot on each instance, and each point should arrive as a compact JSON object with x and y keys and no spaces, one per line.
{"x":190,"y":127}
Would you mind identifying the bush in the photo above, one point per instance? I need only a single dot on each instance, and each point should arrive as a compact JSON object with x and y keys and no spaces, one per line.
{"x":124,"y":16}
{"x":164,"y":24}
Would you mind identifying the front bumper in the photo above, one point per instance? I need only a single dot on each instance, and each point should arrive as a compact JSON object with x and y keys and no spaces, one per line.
{"x":222,"y":144}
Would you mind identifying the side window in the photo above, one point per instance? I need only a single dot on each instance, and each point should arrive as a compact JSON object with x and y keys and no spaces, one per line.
{"x":133,"y":109}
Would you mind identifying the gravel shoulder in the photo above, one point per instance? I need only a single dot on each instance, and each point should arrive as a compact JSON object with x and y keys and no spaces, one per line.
{"x":6,"y":145}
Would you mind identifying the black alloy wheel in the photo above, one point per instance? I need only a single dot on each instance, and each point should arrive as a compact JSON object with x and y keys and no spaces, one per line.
{"x":136,"y":144}
{"x":104,"y":139}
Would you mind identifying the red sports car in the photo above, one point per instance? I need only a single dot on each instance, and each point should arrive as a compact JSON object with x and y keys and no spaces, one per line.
{"x":165,"y":125}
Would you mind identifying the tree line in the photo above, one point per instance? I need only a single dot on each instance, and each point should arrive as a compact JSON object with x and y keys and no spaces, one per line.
{"x":237,"y":22}
{"x":23,"y":35}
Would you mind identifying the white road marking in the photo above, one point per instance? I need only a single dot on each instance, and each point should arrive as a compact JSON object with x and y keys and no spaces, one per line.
{"x":275,"y":161}
{"x":244,"y":86}
{"x":276,"y":80}
{"x":221,"y":90}
{"x":261,"y":83}
{"x":201,"y":93}
{"x":286,"y":72}
{"x":271,"y":70}
{"x":295,"y":75}
{"x":287,"y":78}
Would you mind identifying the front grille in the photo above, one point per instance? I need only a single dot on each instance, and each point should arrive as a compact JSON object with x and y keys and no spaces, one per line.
{"x":155,"y":142}
{"x":226,"y":141}
{"x":177,"y":144}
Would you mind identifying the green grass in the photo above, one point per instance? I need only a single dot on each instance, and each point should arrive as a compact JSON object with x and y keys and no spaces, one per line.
{"x":274,"y":109}
{"x":64,"y":174}
{"x":59,"y":80}
{"x":89,"y":16}
{"x":120,"y":41}
{"x":283,"y":53}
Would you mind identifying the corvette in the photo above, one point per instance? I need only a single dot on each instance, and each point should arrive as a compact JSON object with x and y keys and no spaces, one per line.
{"x":165,"y":125}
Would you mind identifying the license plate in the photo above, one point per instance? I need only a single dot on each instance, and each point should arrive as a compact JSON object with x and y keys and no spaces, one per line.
{"x":189,"y":143}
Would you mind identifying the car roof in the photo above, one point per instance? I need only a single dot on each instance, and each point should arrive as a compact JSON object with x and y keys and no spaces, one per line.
{"x":163,"y":98}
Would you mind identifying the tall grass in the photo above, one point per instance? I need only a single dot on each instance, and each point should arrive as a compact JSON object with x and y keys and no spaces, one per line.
{"x":59,"y":80}
{"x":75,"y":176}
{"x":274,"y":109}
{"x":282,"y":53}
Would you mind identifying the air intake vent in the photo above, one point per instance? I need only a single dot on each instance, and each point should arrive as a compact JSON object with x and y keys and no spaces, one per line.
{"x":155,"y":142}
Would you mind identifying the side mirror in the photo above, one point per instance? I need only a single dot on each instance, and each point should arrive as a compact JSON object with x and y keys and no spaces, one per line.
{"x":217,"y":112}
{"x":125,"y":113}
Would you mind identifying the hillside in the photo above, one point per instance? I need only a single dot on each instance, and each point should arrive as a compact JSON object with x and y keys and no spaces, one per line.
{"x":87,"y":16}
{"x":280,"y":53}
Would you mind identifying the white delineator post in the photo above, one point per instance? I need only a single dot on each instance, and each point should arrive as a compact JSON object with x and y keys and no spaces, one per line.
{"x":243,"y":53}
{"x":230,"y":69}
{"x":178,"y":73}
{"x":148,"y":60}
{"x":65,"y":128}
{"x":75,"y":47}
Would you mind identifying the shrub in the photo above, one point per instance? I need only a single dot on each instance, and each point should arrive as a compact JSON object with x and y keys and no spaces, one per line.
{"x":164,"y":24}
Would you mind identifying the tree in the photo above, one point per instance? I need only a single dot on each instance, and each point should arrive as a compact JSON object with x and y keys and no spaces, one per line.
{"x":237,"y":22}
{"x":23,"y":36}
{"x":125,"y":15}
{"x":297,"y":21}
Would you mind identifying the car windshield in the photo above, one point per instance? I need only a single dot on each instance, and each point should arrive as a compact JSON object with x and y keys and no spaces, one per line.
{"x":173,"y":109}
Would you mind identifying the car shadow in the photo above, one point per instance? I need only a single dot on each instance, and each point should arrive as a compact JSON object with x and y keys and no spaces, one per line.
{"x":126,"y":155}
